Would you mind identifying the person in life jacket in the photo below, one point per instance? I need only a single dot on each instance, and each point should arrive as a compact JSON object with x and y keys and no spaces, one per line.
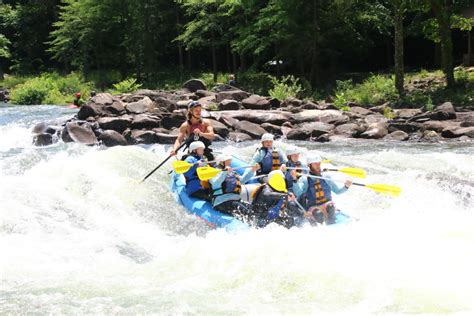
{"x":315,"y":194}
{"x":77,"y":99}
{"x":270,"y":205}
{"x":227,"y":185}
{"x":293,"y":156}
{"x":268,"y":157}
{"x":195,"y":125}
{"x":194,"y":186}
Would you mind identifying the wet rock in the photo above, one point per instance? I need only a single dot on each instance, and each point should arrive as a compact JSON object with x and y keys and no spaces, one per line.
{"x":453,"y":132}
{"x":174,"y":120}
{"x":324,"y":138}
{"x":194,"y":85}
{"x":350,"y":129}
{"x":254,"y":130}
{"x":298,"y":134}
{"x":375,"y":131}
{"x":43,"y":139}
{"x":310,"y":106}
{"x":166,"y":138}
{"x":90,"y":110}
{"x":256,"y":102}
{"x":317,"y":129}
{"x":219,"y":128}
{"x":406,"y":127}
{"x":272,"y":129}
{"x":111,"y":138}
{"x":397,"y":135}
{"x":118,"y":124}
{"x":255,"y":116}
{"x":144,"y":137}
{"x":228,"y":121}
{"x":81,"y":134}
{"x":439,"y":126}
{"x":237,"y":95}
{"x":239,"y":137}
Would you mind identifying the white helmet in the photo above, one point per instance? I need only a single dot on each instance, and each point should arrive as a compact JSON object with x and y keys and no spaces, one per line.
{"x":314,"y":159}
{"x":267,"y":137}
{"x":223,"y":157}
{"x":279,"y":180}
{"x":196,"y":145}
{"x":293,"y":151}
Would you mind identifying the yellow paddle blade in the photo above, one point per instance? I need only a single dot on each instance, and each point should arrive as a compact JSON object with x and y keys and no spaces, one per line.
{"x":326,"y":161}
{"x":277,"y":182}
{"x":181,"y":166}
{"x":354,"y":172}
{"x":206,"y":173}
{"x":385,"y":189}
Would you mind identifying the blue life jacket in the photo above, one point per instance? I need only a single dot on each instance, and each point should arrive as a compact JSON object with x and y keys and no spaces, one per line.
{"x":288,"y":177}
{"x":231,"y":184}
{"x":271,"y":161}
{"x":319,"y":192}
{"x":193,"y":183}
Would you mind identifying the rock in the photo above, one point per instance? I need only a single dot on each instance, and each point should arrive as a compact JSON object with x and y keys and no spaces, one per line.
{"x":139,"y":107}
{"x":428,"y":134}
{"x":118,"y":124}
{"x":406,"y":113}
{"x":174,"y":120}
{"x":219,"y":128}
{"x":350,"y":129}
{"x":111,"y":138}
{"x":310,"y":106}
{"x":65,"y":136}
{"x":298,"y":134}
{"x":397,"y":135}
{"x":272,"y":129}
{"x":103,"y":99}
{"x":291,"y":101}
{"x":317,"y":129}
{"x":439,"y":126}
{"x":208,"y":102}
{"x":375,"y":131}
{"x":275,"y":103}
{"x":194,"y":85}
{"x":81,"y":134}
{"x":237,"y":95}
{"x":256,"y":102}
{"x":161,"y":104}
{"x":116,"y":108}
{"x":144,"y":121}
{"x":406,"y":127}
{"x":324,"y":138}
{"x":223,"y":87}
{"x":326,"y":116}
{"x":375,"y":118}
{"x":360,"y":111}
{"x":166,"y":138}
{"x":239,"y":137}
{"x":254,"y":130}
{"x":205,"y":93}
{"x":226,"y":105}
{"x":228,"y":121}
{"x":443,"y":112}
{"x":90,"y":110}
{"x":255,"y":116}
{"x":43,"y":139}
{"x":144,"y":137}
{"x":453,"y":132}
{"x":161,"y":130}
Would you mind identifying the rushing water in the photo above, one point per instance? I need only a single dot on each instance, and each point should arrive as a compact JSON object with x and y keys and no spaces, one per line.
{"x":79,"y":235}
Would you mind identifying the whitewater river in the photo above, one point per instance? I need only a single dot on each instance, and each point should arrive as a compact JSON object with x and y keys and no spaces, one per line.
{"x":79,"y":235}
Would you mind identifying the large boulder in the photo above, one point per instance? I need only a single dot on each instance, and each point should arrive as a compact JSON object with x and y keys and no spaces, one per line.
{"x":317,"y":129}
{"x":140,"y":106}
{"x":350,"y":130}
{"x":254,"y":130}
{"x":164,"y":138}
{"x":103,"y":99}
{"x":327,"y":116}
{"x":444,"y":112}
{"x":239,"y":137}
{"x":81,"y":134}
{"x":219,"y":128}
{"x":226,"y":105}
{"x":255,"y":116}
{"x":406,"y":127}
{"x":406,"y":113}
{"x":118,"y":124}
{"x":116,"y":108}
{"x":360,"y":111}
{"x":298,"y":134}
{"x":90,"y":110}
{"x":458,"y":132}
{"x":272,"y":128}
{"x":111,"y":138}
{"x":144,"y":121}
{"x":144,"y":137}
{"x":43,"y":139}
{"x":397,"y":135}
{"x":375,"y":131}
{"x":256,"y":102}
{"x":194,"y":85}
{"x":440,"y":126}
{"x":237,"y":95}
{"x":174,"y":120}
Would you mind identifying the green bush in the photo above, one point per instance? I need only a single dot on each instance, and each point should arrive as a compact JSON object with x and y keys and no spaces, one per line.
{"x":49,"y":88}
{"x":376,"y":89}
{"x":285,"y":87}
{"x":126,"y":86}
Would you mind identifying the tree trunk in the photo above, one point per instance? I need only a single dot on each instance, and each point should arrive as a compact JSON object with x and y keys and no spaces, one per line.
{"x":469,"y":49}
{"x":234,"y":63}
{"x":180,"y":47}
{"x":315,"y":64}
{"x":214,"y":59}
{"x":442,"y":13}
{"x":399,"y":67}
{"x":2,"y":76}
{"x":190,"y":61}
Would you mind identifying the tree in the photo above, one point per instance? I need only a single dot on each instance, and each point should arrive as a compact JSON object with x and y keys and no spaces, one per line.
{"x":4,"y":52}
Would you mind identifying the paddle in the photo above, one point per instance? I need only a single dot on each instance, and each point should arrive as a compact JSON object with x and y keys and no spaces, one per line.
{"x":163,"y":162}
{"x":206,"y":173}
{"x":278,"y":182}
{"x":181,"y":166}
{"x":354,"y":172}
{"x":379,"y":188}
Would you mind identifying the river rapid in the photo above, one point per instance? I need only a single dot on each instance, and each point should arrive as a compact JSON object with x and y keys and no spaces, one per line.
{"x":80,"y":235}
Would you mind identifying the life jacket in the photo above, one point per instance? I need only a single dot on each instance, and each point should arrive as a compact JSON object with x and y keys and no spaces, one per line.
{"x":288,"y":177}
{"x":231,"y":184}
{"x":193,"y":183}
{"x":319,"y":192}
{"x":271,"y":161}
{"x":200,"y":125}
{"x":274,"y":211}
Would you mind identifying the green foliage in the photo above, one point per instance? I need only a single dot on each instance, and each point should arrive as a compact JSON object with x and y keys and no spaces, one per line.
{"x":429,"y":104}
{"x":212,"y":107}
{"x":126,"y":86}
{"x":374,"y":90}
{"x":388,"y":113}
{"x":49,"y":88}
{"x":287,"y":86}
{"x":4,"y":50}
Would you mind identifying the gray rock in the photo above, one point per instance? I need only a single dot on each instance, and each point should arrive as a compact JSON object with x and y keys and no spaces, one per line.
{"x":194,"y":85}
{"x":205,"y":93}
{"x":144,"y":137}
{"x":226,"y":105}
{"x":118,"y":124}
{"x":272,"y":128}
{"x":317,"y":129}
{"x":166,"y":138}
{"x":254,"y":130}
{"x":350,"y":129}
{"x":256,"y":102}
{"x":375,"y":131}
{"x":237,"y":95}
{"x":140,"y":106}
{"x":220,"y":129}
{"x":174,"y":120}
{"x":360,"y":111}
{"x":406,"y":113}
{"x":43,"y":139}
{"x":444,"y":112}
{"x":81,"y":134}
{"x":239,"y":137}
{"x":397,"y":135}
{"x":144,"y":121}
{"x":298,"y":134}
{"x":111,"y":138}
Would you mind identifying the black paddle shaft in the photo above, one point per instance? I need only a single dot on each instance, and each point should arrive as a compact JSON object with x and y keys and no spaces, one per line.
{"x":185,"y":143}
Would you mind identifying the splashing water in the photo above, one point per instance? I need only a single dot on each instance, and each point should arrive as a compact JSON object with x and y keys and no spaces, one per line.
{"x":80,"y":235}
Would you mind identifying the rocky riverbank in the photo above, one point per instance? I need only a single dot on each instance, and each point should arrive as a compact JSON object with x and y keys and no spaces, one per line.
{"x":150,"y":116}
{"x":4,"y":95}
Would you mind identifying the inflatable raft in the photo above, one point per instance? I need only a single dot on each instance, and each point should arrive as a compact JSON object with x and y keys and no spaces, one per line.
{"x":216,"y":219}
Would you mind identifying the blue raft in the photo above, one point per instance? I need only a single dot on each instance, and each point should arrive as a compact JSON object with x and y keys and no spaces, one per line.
{"x":216,"y":219}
